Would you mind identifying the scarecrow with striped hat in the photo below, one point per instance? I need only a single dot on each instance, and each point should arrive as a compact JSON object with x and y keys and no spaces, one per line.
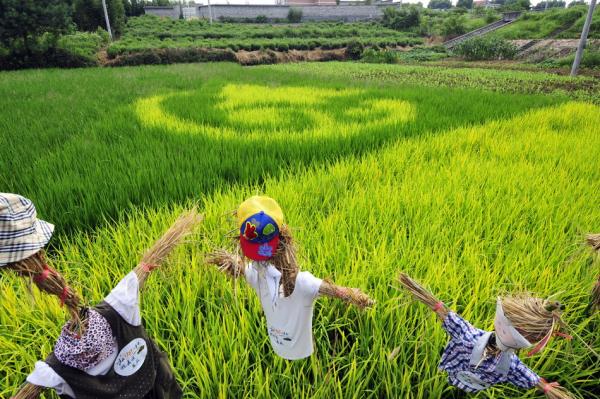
{"x":102,"y":351}
{"x":475,"y":359}
{"x":269,"y":265}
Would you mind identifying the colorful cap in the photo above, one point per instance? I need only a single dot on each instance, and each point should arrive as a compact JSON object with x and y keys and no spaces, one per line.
{"x":259,"y":218}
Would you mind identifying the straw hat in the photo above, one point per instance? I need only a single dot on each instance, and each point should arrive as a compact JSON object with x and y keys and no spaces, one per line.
{"x":22,"y":234}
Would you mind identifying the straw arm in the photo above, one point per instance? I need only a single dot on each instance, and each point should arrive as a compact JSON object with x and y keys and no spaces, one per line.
{"x":553,"y":391}
{"x":226,"y":262}
{"x":157,"y":255}
{"x":352,"y":296}
{"x":423,"y":295}
{"x":29,"y":391}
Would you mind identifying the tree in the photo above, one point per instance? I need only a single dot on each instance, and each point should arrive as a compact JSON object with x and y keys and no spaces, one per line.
{"x":440,"y":4}
{"x":23,"y":22}
{"x":134,"y":8}
{"x":454,"y":25}
{"x":576,"y":3}
{"x":468,"y":4}
{"x":88,"y":15}
{"x":401,"y":18}
{"x":517,"y":5}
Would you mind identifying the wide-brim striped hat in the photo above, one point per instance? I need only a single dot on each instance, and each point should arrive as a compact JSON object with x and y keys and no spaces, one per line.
{"x":22,"y":234}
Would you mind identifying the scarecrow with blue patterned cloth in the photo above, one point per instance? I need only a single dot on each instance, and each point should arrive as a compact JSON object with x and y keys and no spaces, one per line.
{"x":475,"y":359}
{"x":104,"y":350}
{"x":287,"y":295}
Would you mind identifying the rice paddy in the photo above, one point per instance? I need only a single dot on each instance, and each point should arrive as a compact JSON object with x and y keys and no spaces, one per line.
{"x":472,"y":191}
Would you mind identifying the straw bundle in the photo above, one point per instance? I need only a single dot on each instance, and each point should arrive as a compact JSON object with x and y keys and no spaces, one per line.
{"x":285,"y":260}
{"x":554,"y":391}
{"x":353,"y":296}
{"x":227,"y":262}
{"x":50,"y":281}
{"x":534,"y":318}
{"x":595,"y":300}
{"x":422,"y":294}
{"x":29,"y":391}
{"x":593,"y":241}
{"x":158,"y":253}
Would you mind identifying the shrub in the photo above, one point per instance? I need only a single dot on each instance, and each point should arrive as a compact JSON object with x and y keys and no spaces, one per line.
{"x":454,"y":25}
{"x":294,"y":15}
{"x":354,"y":49}
{"x":486,"y":48}
{"x":401,"y":18}
{"x":261,"y":19}
{"x":379,"y":56}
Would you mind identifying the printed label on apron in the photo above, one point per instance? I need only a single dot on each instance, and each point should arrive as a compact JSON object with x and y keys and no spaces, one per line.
{"x":131,"y":358}
{"x":471,"y":380}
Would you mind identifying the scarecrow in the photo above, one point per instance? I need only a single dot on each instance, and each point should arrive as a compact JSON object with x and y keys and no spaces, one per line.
{"x":475,"y":359}
{"x":593,"y":241}
{"x":287,"y":295}
{"x":102,"y":351}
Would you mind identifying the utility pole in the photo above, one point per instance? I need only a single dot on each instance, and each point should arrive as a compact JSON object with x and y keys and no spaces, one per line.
{"x":583,"y":39}
{"x":209,"y":13}
{"x":107,"y":20}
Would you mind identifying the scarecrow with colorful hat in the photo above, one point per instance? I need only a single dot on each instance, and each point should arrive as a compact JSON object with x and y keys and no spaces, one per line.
{"x":102,"y":351}
{"x":475,"y":359}
{"x":269,"y":265}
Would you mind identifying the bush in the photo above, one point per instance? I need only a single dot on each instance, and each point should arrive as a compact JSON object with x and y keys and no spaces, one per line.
{"x":486,"y":48}
{"x":354,"y":50}
{"x":401,"y":18}
{"x":261,"y":19}
{"x":454,"y":25}
{"x":294,"y":15}
{"x":373,"y":56}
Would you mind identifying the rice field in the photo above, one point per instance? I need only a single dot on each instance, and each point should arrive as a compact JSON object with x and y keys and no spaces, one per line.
{"x":475,"y":191}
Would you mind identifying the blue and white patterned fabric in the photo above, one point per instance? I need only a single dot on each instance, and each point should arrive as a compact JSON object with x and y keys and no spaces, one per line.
{"x":469,"y":370}
{"x":22,"y":234}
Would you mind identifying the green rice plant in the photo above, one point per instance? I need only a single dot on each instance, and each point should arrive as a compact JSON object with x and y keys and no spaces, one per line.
{"x":472,"y":210}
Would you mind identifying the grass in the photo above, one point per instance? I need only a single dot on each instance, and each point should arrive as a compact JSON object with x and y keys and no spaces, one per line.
{"x":541,"y":25}
{"x":472,"y":191}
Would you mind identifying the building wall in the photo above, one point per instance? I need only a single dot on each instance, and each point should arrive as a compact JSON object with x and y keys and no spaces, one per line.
{"x":309,"y":13}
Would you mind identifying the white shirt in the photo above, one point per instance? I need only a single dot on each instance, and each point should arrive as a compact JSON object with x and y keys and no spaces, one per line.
{"x":124,"y":299}
{"x":289,"y":319}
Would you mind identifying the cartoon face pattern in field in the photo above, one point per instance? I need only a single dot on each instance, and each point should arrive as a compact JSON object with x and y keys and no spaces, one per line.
{"x":279,"y":113}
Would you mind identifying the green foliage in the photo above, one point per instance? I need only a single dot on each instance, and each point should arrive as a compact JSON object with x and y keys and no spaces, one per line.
{"x":294,"y":15}
{"x":414,"y":55}
{"x":22,"y":24}
{"x":454,"y":25}
{"x":472,"y":192}
{"x":84,"y":44}
{"x":261,"y":19}
{"x":149,"y":33}
{"x":373,"y":56}
{"x":516,"y":5}
{"x":540,"y":25}
{"x":543,"y":5}
{"x":486,"y":48}
{"x":439,"y":4}
{"x":590,"y":59}
{"x":401,"y":18}
{"x":89,"y":15}
{"x":354,"y":49}
{"x":468,"y":4}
